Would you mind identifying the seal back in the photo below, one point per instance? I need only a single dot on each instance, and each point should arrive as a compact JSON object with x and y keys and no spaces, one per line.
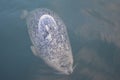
{"x":50,"y":40}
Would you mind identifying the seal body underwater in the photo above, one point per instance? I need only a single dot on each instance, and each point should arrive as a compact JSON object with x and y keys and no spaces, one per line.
{"x":50,"y":39}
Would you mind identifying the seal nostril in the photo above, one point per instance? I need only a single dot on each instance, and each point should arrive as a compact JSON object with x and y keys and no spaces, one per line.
{"x":69,"y":72}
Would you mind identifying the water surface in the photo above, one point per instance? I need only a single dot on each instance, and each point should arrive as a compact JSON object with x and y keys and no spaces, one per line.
{"x":94,"y":32}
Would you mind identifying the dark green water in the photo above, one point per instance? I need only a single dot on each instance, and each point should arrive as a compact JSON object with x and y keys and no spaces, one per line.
{"x":94,"y":32}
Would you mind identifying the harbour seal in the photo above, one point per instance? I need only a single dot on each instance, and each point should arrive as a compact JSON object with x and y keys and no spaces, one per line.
{"x":50,"y":40}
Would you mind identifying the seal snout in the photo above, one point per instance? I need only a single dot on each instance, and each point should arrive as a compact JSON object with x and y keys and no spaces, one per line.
{"x":70,"y":72}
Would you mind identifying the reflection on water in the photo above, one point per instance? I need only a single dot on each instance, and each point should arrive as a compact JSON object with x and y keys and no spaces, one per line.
{"x":95,"y":67}
{"x":94,"y":31}
{"x":105,"y":26}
